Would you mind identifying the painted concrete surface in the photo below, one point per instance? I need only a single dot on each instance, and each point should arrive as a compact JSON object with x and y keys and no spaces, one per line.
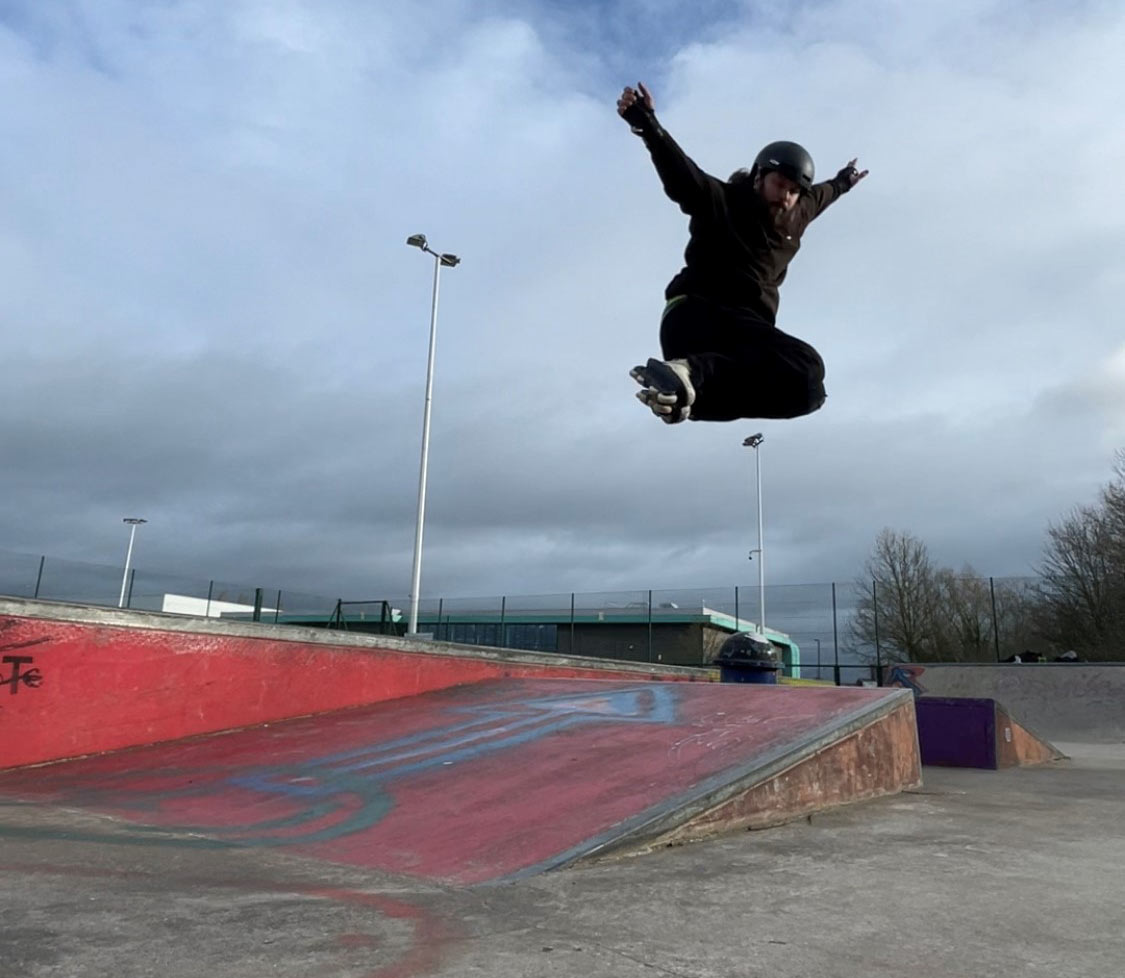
{"x":988,"y":874}
{"x":964,"y":732}
{"x":877,"y":759}
{"x":1082,"y":701}
{"x":957,"y":732}
{"x":472,"y":784}
{"x":1015,"y":744}
{"x":77,"y":680}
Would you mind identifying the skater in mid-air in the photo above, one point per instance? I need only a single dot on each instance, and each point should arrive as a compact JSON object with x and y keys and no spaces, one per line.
{"x":723,"y":356}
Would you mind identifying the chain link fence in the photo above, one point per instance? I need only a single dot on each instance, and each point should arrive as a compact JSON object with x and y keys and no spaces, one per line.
{"x":845,"y":633}
{"x":55,"y":579}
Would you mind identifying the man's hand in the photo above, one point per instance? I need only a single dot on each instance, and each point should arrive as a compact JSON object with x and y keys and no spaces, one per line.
{"x":634,"y":104}
{"x":851,"y":174}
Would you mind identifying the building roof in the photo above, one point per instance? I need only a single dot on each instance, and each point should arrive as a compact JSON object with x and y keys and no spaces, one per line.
{"x":621,"y":615}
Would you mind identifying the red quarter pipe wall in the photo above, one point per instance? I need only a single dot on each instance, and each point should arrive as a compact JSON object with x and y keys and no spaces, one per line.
{"x":89,"y":681}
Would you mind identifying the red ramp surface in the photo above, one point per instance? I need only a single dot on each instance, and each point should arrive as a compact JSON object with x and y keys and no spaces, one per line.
{"x":493,"y":780}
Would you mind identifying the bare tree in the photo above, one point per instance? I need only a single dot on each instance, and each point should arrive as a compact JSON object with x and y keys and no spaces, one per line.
{"x":911,"y":610}
{"x":1082,"y":596}
{"x":1113,"y":505}
{"x":897,"y":594}
{"x":917,"y":611}
{"x":963,"y":624}
{"x":1017,"y":615}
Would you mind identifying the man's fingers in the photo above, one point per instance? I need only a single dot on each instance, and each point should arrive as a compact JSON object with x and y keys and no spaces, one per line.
{"x":854,"y":174}
{"x":630,"y":97}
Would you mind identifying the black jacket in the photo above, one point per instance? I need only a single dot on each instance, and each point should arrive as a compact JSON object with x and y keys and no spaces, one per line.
{"x":736,"y":256}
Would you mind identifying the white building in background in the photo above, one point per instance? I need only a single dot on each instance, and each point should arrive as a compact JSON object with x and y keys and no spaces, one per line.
{"x":186,"y":604}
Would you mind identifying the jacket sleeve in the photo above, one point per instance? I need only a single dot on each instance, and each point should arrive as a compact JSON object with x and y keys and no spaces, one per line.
{"x":683,"y":181}
{"x":820,"y":195}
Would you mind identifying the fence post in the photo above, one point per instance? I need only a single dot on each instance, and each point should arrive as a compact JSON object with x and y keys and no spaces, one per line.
{"x":440,"y":610}
{"x":650,"y":625}
{"x":503,"y":609}
{"x":210,"y":591}
{"x":277,"y":610}
{"x":875,"y":618}
{"x":995,"y":620}
{"x":257,"y":604}
{"x":39,"y":577}
{"x":572,"y":623}
{"x":835,"y":637}
{"x":737,"y":626}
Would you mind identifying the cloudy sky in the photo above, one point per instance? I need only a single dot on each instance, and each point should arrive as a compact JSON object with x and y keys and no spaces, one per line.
{"x":209,"y":317}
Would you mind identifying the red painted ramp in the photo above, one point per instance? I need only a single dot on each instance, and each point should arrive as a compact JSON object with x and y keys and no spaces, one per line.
{"x":487,"y":781}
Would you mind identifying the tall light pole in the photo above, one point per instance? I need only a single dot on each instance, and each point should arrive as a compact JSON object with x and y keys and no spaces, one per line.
{"x":755,"y":442}
{"x":134,"y":522}
{"x":449,"y":261}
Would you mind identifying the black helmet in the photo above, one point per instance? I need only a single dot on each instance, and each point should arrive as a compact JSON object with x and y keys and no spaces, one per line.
{"x":749,"y":649}
{"x":788,"y":159}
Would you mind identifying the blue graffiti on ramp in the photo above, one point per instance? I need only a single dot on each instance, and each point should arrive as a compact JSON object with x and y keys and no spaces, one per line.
{"x":349,"y":789}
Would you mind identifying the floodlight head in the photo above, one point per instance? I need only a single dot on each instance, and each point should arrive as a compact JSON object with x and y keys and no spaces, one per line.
{"x":417,"y":241}
{"x":449,"y":261}
{"x":753,"y":441}
{"x":135,"y":520}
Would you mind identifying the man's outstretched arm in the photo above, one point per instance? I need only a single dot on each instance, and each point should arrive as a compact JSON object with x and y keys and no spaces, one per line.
{"x":823,"y":194}
{"x":683,"y":181}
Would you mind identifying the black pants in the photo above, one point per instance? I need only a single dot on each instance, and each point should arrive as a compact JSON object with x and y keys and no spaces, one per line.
{"x":741,"y":367}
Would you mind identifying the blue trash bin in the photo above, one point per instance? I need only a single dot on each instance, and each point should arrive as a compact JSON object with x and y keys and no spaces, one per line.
{"x":748,"y":658}
{"x":737,"y":672}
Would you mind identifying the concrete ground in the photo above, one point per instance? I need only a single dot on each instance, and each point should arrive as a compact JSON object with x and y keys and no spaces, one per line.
{"x":977,"y":874}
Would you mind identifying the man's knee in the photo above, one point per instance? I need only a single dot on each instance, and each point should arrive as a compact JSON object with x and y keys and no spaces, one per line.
{"x":794,"y":404}
{"x":812,"y":403}
{"x":815,"y":373}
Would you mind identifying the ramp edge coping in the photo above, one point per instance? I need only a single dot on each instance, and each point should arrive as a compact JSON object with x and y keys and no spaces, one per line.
{"x":77,"y":614}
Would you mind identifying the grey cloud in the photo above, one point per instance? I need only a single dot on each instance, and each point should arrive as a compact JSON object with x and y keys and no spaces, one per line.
{"x":208,"y":314}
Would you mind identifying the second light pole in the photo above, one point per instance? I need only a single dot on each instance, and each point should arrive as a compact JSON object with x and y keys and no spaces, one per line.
{"x":448,"y":261}
{"x":755,"y":442}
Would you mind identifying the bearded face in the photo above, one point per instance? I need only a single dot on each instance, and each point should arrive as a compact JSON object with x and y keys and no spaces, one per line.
{"x":779,"y":193}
